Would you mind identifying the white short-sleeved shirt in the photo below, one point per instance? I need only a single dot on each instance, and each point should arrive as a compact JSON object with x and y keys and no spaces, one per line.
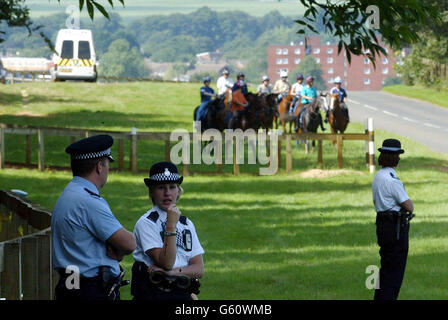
{"x":297,"y":89}
{"x":148,"y":233}
{"x":388,"y":191}
{"x":223,"y":84}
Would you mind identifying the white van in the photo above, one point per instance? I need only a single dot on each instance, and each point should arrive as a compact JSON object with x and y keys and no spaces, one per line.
{"x":75,"y":58}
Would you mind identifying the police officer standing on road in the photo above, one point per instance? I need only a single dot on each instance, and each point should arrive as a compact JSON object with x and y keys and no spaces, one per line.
{"x":87,"y":240}
{"x":394,"y":210}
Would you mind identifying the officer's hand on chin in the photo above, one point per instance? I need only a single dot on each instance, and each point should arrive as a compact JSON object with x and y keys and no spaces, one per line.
{"x":173,"y":216}
{"x":112,"y":253}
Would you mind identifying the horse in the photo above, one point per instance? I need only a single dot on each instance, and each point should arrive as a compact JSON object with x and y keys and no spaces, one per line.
{"x":312,"y":119}
{"x":262,"y":108}
{"x":336,"y":118}
{"x":283,"y":113}
{"x":269,"y":112}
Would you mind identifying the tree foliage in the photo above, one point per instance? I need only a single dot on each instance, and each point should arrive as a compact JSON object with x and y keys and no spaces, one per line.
{"x":351,"y":23}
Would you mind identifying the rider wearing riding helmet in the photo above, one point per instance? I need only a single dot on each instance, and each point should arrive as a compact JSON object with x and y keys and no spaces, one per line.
{"x":224,"y":82}
{"x":282,"y":86}
{"x":309,"y":94}
{"x":337,"y":89}
{"x":206,"y":96}
{"x":265,"y":87}
{"x":296,"y":90}
{"x":239,"y":84}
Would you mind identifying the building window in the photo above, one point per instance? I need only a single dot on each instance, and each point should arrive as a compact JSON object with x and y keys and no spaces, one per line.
{"x":316,"y":50}
{"x":297,"y":60}
{"x":317,"y":60}
{"x":285,"y":61}
{"x":330,"y":70}
{"x":278,"y":51}
{"x":385,"y":61}
{"x":279,"y":70}
{"x":366,"y":81}
{"x":366,"y":61}
{"x":385,"y":70}
{"x":329,"y":60}
{"x":367,"y":71}
{"x":279,"y":61}
{"x":285,"y":51}
{"x":286,"y":69}
{"x":330,"y":80}
{"x":330,"y":50}
{"x":297,"y":51}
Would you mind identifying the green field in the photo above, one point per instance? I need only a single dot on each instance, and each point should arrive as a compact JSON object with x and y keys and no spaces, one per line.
{"x":438,"y":97}
{"x":135,"y":9}
{"x":302,"y":235}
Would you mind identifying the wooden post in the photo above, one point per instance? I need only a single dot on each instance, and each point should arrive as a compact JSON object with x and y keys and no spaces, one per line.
{"x":2,"y":148}
{"x":339,"y":141}
{"x":44,"y":268}
{"x":167,"y":150}
{"x":28,"y":149}
{"x":23,"y":77}
{"x":236,"y":166}
{"x":120,"y":155}
{"x":29,"y":272}
{"x":12,"y":77}
{"x":319,"y":154}
{"x":288,"y":164}
{"x":371,"y":145}
{"x":11,"y":277}
{"x":134,"y":150}
{"x":33,"y":76}
{"x":40,"y":153}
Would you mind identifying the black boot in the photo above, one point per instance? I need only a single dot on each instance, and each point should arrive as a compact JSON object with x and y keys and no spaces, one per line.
{"x":326,"y":116}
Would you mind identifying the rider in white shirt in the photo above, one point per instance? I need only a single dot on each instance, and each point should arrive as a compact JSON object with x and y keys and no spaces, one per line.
{"x":224,"y":83}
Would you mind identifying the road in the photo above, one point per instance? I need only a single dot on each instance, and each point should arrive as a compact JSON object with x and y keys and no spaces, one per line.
{"x":421,"y":121}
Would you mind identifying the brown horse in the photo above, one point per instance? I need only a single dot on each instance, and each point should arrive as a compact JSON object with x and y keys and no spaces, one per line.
{"x":283,"y":113}
{"x":336,"y":118}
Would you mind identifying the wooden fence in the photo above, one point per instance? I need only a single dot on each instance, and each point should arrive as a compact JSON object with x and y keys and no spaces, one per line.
{"x":25,"y":250}
{"x":134,"y":136}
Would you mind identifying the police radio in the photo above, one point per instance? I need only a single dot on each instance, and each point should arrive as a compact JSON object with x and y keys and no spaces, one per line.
{"x":186,"y":235}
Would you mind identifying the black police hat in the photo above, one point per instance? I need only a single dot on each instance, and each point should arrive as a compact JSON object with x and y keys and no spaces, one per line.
{"x":163,"y":172}
{"x":391,"y":146}
{"x":91,"y":148}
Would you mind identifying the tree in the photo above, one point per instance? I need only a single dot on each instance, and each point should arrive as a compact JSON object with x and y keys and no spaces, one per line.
{"x":309,"y":67}
{"x":357,"y":24}
{"x":121,"y":61}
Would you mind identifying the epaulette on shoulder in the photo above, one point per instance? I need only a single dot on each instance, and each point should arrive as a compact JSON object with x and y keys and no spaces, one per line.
{"x":92,"y":193}
{"x":153,"y":216}
{"x":183,"y":220}
{"x":393,"y":176}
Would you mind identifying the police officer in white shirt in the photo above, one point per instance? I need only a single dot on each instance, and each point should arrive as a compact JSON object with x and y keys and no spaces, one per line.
{"x":168,"y":257}
{"x":394,"y":210}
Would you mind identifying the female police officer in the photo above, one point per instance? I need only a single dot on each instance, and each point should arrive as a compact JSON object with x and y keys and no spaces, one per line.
{"x":167,"y":243}
{"x":392,"y":227}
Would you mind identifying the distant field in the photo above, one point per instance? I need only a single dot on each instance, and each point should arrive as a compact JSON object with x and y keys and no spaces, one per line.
{"x":135,"y":9}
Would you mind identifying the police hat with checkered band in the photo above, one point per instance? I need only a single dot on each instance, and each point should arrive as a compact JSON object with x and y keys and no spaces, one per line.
{"x":91,"y":148}
{"x":391,"y":146}
{"x":163,"y":172}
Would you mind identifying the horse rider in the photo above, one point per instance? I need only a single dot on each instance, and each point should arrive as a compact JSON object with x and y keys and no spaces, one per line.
{"x":296,"y":90}
{"x":240,"y":84}
{"x":338,"y":89}
{"x":206,"y":96}
{"x":224,"y":83}
{"x":265,"y":87}
{"x":394,"y":211}
{"x":309,"y":94}
{"x":282,"y":86}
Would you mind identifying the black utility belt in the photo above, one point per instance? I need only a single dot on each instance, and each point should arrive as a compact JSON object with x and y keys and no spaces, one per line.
{"x":82,"y":278}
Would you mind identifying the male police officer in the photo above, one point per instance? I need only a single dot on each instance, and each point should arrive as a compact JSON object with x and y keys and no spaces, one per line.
{"x":86,"y":237}
{"x":392,"y":222}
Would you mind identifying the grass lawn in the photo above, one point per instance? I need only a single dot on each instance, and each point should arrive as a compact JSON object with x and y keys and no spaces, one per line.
{"x":421,"y":93}
{"x":286,"y":236}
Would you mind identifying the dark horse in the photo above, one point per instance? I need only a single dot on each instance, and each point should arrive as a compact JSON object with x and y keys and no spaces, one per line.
{"x":337,"y":119}
{"x":261,"y":110}
{"x":312,"y":119}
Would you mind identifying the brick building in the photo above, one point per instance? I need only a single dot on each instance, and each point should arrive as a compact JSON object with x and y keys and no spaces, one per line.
{"x":358,"y":76}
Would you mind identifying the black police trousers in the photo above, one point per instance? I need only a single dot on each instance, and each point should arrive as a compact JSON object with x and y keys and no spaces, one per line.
{"x":89,"y":289}
{"x":393,"y":254}
{"x":142,"y":289}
